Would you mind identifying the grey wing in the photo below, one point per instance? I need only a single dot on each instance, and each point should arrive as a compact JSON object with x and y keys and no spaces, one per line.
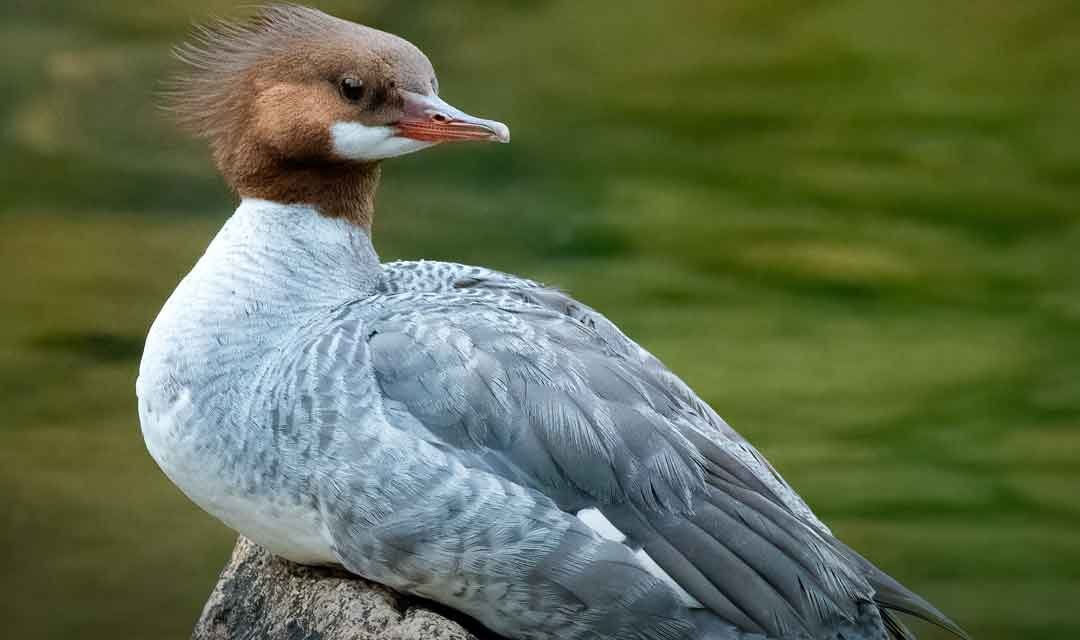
{"x":399,"y":506}
{"x":573,"y":410}
{"x":429,"y":276}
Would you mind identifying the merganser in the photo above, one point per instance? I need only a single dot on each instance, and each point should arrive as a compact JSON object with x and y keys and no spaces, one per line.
{"x":465,"y":435}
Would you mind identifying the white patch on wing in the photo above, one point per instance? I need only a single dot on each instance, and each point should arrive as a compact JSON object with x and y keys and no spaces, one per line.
{"x":357,"y":141}
{"x":598,"y":523}
{"x":602,"y":526}
{"x":650,"y":564}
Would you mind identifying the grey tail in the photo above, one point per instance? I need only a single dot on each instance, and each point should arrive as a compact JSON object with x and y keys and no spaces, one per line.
{"x":896,"y":629}
{"x":891,"y":596}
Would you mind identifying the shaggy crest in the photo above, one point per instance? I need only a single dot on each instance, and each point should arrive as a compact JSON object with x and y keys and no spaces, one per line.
{"x":300,"y":106}
{"x":220,"y":54}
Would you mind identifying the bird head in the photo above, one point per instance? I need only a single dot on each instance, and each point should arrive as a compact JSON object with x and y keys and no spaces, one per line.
{"x":294,"y":90}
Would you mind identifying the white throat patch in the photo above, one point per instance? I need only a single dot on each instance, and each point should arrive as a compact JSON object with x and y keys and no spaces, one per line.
{"x":356,"y":141}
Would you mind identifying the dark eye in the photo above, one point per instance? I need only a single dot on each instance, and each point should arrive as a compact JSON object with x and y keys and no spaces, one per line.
{"x":352,"y":89}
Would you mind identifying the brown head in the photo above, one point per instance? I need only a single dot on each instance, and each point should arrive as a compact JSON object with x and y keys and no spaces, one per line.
{"x":300,"y":107}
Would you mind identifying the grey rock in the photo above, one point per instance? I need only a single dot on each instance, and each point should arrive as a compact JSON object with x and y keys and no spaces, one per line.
{"x":261,"y":596}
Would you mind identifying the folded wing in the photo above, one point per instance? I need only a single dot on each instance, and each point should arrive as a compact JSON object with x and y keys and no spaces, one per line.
{"x":525,"y":382}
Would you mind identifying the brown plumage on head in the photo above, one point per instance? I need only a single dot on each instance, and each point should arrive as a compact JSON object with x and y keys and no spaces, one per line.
{"x":283,"y":40}
{"x":264,"y":93}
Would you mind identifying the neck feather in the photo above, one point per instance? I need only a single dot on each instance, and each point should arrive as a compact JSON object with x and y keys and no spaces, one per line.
{"x":344,"y":190}
{"x":285,"y":258}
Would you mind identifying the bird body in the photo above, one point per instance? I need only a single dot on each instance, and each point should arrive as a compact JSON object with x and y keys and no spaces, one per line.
{"x":455,"y":432}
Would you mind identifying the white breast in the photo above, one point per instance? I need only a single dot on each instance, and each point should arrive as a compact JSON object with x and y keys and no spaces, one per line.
{"x":291,"y":531}
{"x":194,"y":405}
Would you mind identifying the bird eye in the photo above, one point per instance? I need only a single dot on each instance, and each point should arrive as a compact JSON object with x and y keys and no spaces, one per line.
{"x":352,"y":89}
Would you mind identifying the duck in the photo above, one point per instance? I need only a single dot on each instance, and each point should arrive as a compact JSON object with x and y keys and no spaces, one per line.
{"x":457,"y":433}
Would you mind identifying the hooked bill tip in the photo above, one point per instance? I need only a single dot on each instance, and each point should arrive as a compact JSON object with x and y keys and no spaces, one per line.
{"x":500,"y":132}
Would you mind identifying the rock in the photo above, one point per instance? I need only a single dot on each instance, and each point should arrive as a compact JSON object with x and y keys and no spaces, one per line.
{"x":261,"y":596}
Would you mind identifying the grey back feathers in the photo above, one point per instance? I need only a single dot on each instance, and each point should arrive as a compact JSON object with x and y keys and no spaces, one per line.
{"x":547,"y":392}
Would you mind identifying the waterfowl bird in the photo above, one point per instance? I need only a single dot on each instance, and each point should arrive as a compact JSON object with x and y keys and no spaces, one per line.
{"x":454,"y":432}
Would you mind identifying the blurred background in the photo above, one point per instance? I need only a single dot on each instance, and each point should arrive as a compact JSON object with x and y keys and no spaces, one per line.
{"x":852,"y":225}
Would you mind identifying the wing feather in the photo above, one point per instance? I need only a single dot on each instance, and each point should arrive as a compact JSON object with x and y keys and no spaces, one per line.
{"x":535,"y":385}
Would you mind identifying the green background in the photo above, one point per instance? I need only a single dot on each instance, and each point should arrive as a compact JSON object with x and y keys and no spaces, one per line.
{"x":852,"y":226}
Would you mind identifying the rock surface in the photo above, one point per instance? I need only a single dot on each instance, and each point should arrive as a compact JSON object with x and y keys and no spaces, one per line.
{"x":260,"y":596}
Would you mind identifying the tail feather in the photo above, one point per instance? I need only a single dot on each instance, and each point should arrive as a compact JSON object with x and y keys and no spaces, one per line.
{"x":755,"y":546}
{"x":896,"y":629}
{"x":891,"y":595}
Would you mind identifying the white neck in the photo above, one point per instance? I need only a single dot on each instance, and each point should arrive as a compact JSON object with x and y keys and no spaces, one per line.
{"x":271,"y":270}
{"x":286,"y":258}
{"x":224,"y":346}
